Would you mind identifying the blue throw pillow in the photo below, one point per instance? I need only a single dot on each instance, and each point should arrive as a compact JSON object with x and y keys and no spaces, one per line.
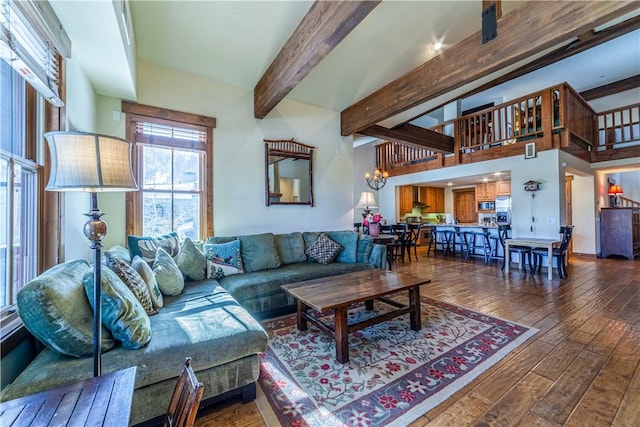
{"x":223,"y":259}
{"x":349,"y":241}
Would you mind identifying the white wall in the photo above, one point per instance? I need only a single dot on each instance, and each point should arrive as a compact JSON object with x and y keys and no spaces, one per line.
{"x":239,"y":205}
{"x":80,"y":116}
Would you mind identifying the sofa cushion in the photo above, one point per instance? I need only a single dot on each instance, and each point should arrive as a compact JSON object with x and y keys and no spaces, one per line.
{"x":365,"y":244}
{"x":146,"y":247}
{"x":122,"y":313}
{"x":349,"y":241}
{"x":55,"y":309}
{"x":290,"y":247}
{"x":167,"y":274}
{"x":323,"y":250}
{"x":309,"y":237}
{"x":191,"y":262}
{"x":259,"y":252}
{"x":149,"y":278}
{"x":132,"y":279}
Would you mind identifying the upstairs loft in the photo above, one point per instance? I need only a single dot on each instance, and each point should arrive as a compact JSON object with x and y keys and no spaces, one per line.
{"x":553,"y":118}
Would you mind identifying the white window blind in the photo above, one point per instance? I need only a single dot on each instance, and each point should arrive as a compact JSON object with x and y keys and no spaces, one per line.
{"x":31,"y":40}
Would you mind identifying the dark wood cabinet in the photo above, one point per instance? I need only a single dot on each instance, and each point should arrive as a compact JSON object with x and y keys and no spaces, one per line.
{"x":620,"y":232}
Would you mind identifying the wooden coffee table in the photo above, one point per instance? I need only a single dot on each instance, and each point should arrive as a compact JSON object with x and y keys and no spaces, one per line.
{"x":337,"y":293}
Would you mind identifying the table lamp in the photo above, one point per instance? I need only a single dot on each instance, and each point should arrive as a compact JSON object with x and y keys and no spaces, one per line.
{"x":91,"y":163}
{"x":366,"y":202}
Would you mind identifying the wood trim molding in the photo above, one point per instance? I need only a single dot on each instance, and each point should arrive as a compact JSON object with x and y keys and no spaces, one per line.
{"x":523,"y":33}
{"x":412,"y":135}
{"x":164,"y":113}
{"x":322,"y":28}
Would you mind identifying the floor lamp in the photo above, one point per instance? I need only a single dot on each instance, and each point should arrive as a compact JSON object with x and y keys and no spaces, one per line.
{"x":91,"y":163}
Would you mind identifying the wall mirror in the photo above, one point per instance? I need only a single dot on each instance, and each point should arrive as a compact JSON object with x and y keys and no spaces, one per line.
{"x":288,"y":173}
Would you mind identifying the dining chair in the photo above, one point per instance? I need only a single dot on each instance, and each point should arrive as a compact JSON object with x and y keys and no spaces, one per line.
{"x":411,"y":239}
{"x":386,"y":229}
{"x":185,"y":399}
{"x":400,"y":231}
{"x":559,"y":253}
{"x":524,"y":252}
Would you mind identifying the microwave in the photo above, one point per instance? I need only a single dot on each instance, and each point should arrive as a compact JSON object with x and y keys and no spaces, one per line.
{"x":486,"y":206}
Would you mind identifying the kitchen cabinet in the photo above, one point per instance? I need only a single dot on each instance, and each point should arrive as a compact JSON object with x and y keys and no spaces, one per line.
{"x":620,"y":232}
{"x":464,"y":206}
{"x":434,"y":197}
{"x":503,"y":188}
{"x":406,"y":199}
{"x":486,"y":191}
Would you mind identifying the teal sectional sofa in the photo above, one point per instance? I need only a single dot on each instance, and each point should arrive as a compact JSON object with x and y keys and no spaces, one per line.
{"x":212,"y":321}
{"x":271,"y":260}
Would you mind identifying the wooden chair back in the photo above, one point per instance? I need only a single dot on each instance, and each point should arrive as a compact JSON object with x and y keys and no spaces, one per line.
{"x":185,"y":399}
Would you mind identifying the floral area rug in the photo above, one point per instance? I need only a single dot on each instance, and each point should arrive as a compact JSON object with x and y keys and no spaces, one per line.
{"x":394,"y":374}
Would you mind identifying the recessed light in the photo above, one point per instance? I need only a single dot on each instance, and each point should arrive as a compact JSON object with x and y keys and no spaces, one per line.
{"x":449,"y":183}
{"x":485,"y":179}
{"x":497,"y":173}
{"x":437,"y":46}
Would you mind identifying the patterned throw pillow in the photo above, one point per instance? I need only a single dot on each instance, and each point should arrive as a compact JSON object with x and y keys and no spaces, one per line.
{"x":133,"y":280}
{"x":146,"y":247}
{"x":149,"y":278}
{"x":223,"y":259}
{"x":323,"y":250}
{"x":168,"y":275}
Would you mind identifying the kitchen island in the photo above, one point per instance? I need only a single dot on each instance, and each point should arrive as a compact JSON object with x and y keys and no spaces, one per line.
{"x":491,"y":249}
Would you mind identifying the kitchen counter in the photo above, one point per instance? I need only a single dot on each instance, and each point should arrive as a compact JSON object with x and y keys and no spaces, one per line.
{"x":467,"y":225}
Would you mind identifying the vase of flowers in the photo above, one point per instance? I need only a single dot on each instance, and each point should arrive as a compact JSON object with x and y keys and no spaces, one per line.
{"x":372,"y":222}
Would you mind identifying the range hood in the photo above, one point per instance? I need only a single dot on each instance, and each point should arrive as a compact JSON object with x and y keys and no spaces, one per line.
{"x":417,"y":203}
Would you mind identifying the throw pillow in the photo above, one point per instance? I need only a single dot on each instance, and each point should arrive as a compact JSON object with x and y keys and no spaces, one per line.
{"x":223,"y":259}
{"x":119,"y":252}
{"x":259,"y":252}
{"x":168,"y":275}
{"x":290,"y":248}
{"x":147,"y":275}
{"x":122,"y":313}
{"x":365,"y":245}
{"x":323,"y":250}
{"x":191,"y":262}
{"x":134,"y":282}
{"x":349,"y":241}
{"x":54,"y":309}
{"x":146,"y":247}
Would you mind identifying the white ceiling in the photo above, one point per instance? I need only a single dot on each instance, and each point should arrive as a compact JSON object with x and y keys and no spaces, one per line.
{"x":235,"y":41}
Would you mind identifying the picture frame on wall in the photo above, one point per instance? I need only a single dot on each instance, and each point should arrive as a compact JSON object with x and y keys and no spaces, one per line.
{"x":530,"y":150}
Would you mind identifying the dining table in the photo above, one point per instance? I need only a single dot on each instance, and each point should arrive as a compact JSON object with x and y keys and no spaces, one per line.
{"x":530,"y":242}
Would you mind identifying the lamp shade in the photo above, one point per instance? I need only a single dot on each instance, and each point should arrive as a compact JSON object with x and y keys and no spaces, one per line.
{"x":615,"y":189}
{"x":89,"y":162}
{"x":366,"y":200}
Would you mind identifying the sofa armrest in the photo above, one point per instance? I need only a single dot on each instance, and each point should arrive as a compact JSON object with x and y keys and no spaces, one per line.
{"x":378,"y":256}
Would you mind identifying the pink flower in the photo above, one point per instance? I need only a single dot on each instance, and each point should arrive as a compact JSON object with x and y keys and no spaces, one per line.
{"x":388,"y":402}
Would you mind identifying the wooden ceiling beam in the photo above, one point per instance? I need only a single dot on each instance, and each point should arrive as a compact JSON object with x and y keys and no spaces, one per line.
{"x":412,"y":135}
{"x":523,"y":33}
{"x":322,"y":28}
{"x":612,"y":88}
{"x":586,"y":41}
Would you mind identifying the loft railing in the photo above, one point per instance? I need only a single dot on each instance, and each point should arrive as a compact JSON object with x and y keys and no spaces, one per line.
{"x":556,"y":117}
{"x":618,"y":129}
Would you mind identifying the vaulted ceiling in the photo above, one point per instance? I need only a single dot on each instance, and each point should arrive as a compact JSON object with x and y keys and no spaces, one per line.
{"x":236,"y":41}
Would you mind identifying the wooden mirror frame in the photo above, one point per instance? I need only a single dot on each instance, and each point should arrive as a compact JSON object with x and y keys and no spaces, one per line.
{"x":287,"y":149}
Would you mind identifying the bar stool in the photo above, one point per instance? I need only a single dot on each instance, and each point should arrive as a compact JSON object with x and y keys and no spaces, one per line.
{"x":459,"y":242}
{"x":479,"y":244}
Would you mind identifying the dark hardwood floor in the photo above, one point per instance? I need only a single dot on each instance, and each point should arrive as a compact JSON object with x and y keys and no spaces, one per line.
{"x":581,"y":369}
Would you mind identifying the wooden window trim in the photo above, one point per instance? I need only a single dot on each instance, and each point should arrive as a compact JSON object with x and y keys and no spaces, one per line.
{"x":139,"y":112}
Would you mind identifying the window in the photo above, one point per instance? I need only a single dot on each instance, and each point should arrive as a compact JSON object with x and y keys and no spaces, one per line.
{"x":18,"y":183}
{"x":172,"y":166}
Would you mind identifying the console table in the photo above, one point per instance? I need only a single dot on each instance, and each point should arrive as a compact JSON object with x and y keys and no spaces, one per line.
{"x":99,"y":401}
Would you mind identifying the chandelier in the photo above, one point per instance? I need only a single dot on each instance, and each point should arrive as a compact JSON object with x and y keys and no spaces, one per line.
{"x":378,"y":180}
